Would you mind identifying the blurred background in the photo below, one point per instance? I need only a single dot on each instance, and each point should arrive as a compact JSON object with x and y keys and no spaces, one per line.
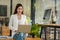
{"x":39,"y":11}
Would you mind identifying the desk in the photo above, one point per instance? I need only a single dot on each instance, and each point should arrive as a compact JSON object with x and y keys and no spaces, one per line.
{"x":43,"y":26}
{"x":50,"y":25}
{"x":33,"y":39}
{"x":6,"y":39}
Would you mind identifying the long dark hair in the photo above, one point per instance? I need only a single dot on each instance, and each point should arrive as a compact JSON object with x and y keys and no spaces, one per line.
{"x":18,"y":5}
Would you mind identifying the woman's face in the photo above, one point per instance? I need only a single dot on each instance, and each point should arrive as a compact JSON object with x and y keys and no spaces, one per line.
{"x":20,"y":10}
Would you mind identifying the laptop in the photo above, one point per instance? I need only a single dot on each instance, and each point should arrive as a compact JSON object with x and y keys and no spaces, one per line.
{"x":24,"y":28}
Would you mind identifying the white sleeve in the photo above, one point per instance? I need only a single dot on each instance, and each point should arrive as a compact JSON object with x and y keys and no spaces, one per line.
{"x":11,"y":23}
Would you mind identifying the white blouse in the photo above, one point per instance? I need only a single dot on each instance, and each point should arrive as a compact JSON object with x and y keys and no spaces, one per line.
{"x":13,"y":24}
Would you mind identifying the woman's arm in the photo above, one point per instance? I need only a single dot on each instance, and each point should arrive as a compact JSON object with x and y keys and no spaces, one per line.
{"x":11,"y":23}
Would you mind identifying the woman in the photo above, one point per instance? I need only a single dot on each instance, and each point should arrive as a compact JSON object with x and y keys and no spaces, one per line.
{"x":18,"y":18}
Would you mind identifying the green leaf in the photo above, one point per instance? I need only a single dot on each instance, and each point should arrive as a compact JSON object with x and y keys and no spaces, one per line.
{"x":35,"y":29}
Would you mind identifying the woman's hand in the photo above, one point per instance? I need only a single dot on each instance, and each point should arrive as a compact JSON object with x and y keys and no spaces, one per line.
{"x":16,"y":30}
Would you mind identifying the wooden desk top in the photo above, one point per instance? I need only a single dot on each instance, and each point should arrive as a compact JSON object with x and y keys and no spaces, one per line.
{"x":50,"y":25}
{"x":33,"y":39}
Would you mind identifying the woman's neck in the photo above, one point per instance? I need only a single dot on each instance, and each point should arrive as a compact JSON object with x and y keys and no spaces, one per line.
{"x":19,"y":16}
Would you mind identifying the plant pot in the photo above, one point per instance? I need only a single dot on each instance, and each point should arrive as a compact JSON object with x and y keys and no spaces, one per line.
{"x":33,"y":36}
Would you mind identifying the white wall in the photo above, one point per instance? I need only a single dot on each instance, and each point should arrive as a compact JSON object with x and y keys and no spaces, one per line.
{"x":39,"y":11}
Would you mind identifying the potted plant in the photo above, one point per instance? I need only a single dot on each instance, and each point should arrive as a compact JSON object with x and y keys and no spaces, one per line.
{"x":35,"y":30}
